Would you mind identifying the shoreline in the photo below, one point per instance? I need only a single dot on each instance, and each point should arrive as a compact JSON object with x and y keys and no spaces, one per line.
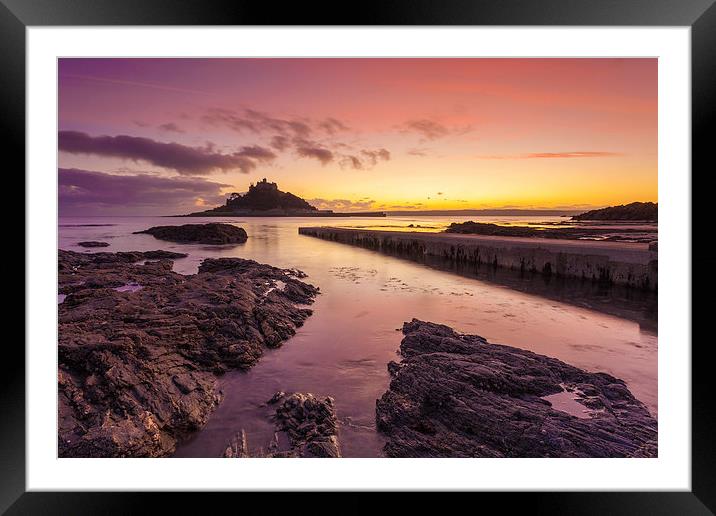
{"x":622,"y":263}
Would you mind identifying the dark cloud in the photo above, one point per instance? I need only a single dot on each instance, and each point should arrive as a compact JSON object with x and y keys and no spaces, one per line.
{"x":554,"y":155}
{"x":185,"y":160}
{"x":82,"y":191}
{"x":171,"y":127}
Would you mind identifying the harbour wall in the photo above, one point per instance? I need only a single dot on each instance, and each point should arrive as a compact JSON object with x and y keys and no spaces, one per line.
{"x":622,"y":263}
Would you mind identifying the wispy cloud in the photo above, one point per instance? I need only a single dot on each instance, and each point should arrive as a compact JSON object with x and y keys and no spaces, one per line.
{"x":554,"y":155}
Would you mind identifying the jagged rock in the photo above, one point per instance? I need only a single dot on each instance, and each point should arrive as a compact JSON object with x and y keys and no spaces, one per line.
{"x":213,"y":233}
{"x":455,"y":395}
{"x":137,"y":366}
{"x":305,"y":427}
{"x":238,"y":447}
{"x":92,"y":243}
{"x":310,"y":424}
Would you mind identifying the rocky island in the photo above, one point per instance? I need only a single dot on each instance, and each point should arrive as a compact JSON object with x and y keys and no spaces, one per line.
{"x":211,"y":234}
{"x":140,"y":346}
{"x":264,"y":199}
{"x":456,"y":395}
{"x":635,"y":211}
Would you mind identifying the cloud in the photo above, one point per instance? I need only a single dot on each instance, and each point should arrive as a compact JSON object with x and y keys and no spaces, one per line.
{"x":342,"y":204}
{"x":171,"y":127}
{"x":554,"y":155}
{"x":418,"y":152}
{"x":351,"y":162}
{"x":311,"y":151}
{"x":185,"y":160}
{"x":258,"y":153}
{"x":429,"y":129}
{"x":280,"y":143}
{"x":257,"y":122}
{"x":302,"y":135}
{"x":367,"y":159}
{"x":82,"y":191}
{"x":375,"y":155}
{"x":332,"y":125}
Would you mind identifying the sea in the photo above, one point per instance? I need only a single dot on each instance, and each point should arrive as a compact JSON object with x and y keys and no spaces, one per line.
{"x":344,"y":348}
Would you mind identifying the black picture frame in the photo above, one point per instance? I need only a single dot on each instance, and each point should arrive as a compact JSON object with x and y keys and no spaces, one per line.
{"x":700,"y":15}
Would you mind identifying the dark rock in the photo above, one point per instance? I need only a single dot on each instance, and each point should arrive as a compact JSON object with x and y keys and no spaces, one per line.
{"x":559,"y":231}
{"x":137,"y":369}
{"x":276,"y":398}
{"x":305,"y":427}
{"x":457,"y":395}
{"x":310,"y":424}
{"x":213,"y":233}
{"x":92,"y":243}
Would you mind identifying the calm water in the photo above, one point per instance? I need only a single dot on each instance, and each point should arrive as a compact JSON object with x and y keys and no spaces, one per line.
{"x":343,"y":349}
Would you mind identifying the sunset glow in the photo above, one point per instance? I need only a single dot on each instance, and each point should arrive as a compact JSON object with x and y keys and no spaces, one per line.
{"x":161,"y":136}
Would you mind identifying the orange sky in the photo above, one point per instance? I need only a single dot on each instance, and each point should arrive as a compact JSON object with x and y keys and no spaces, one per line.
{"x":358,"y":133}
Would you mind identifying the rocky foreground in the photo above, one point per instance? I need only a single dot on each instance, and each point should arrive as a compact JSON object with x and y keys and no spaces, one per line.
{"x":455,"y":395}
{"x":213,"y":233}
{"x":305,"y":427}
{"x":140,"y":346}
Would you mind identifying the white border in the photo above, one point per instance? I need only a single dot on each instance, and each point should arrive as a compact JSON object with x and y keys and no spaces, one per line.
{"x":670,"y":471}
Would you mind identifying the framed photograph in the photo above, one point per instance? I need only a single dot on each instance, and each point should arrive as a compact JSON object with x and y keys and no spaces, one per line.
{"x":411,"y":249}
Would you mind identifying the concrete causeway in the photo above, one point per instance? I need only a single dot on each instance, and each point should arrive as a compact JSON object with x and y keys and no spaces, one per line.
{"x":622,"y":263}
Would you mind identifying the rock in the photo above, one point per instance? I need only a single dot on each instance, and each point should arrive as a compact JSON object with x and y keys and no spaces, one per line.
{"x":238,"y":447}
{"x":455,"y":395}
{"x":305,"y":427}
{"x":137,"y":369}
{"x":213,"y":233}
{"x":92,"y":243}
{"x":310,"y":424}
{"x":276,"y":398}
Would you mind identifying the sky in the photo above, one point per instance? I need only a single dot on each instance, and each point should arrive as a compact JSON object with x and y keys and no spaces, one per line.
{"x":168,"y":136}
